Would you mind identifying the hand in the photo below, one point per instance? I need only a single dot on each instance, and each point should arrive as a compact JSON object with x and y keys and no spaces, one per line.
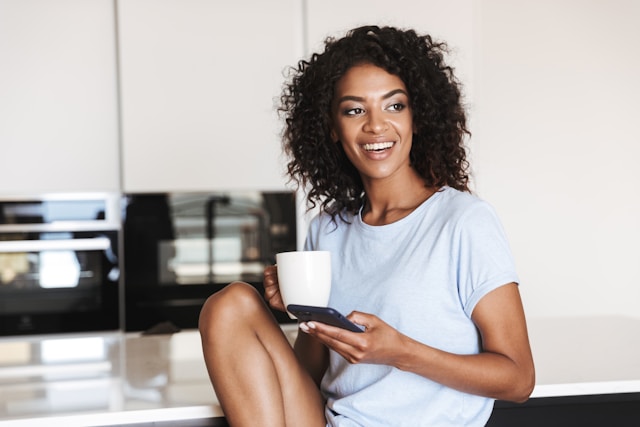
{"x":272,"y":288}
{"x":379,"y":343}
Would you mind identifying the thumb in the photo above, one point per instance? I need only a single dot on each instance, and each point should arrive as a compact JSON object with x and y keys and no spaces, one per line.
{"x":361,"y":318}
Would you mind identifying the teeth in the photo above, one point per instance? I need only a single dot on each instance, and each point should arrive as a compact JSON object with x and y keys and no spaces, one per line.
{"x":378,"y":146}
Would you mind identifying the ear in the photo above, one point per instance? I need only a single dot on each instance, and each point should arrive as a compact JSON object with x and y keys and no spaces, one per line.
{"x":334,"y":135}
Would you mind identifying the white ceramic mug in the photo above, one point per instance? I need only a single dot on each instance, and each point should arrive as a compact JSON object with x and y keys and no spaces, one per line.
{"x":304,"y":277}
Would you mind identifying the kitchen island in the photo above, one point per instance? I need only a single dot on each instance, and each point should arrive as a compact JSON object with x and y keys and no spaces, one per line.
{"x":588,"y":366}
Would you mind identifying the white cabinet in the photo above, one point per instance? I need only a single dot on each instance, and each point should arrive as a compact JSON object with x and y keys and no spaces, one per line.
{"x":58,"y":97}
{"x":199,"y":81}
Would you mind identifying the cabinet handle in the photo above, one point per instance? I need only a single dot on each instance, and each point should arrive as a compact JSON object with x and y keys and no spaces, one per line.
{"x":94,"y":244}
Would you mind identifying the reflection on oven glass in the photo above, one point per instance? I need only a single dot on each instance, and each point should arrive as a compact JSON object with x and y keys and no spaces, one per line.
{"x":12,"y":265}
{"x":59,"y":269}
{"x":185,"y":261}
{"x":201,"y":238}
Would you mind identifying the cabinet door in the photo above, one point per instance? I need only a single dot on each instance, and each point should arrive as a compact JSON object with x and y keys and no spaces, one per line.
{"x":199,"y":81}
{"x":58,"y":102}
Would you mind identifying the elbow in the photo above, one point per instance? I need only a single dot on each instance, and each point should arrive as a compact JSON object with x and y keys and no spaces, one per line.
{"x":523,"y":387}
{"x":521,"y":396}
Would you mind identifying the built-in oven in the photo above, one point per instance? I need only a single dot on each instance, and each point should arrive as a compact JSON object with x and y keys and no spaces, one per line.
{"x":59,"y":264}
{"x":181,"y":247}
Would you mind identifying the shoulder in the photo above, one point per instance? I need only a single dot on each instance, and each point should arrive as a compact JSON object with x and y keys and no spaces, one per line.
{"x":324,"y":222}
{"x":466,"y":213}
{"x":459,"y":204}
{"x":323,"y":226}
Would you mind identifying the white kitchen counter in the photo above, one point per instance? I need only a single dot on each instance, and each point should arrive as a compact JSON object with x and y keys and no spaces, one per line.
{"x":115,"y":378}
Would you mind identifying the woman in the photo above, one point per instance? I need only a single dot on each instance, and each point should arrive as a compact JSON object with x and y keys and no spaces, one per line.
{"x":375,"y":130}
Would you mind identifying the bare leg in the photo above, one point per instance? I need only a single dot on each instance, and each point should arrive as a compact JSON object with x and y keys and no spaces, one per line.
{"x":253,"y":369}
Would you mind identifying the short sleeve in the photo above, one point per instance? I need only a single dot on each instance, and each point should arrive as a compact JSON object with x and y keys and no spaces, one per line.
{"x":485,"y":261}
{"x":311,"y":241}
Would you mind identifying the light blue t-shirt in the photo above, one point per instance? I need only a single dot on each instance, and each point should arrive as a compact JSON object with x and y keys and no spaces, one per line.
{"x":423,"y":275}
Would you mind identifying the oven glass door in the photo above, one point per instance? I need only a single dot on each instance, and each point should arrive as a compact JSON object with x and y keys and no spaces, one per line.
{"x":179,"y":248}
{"x":58,"y":282}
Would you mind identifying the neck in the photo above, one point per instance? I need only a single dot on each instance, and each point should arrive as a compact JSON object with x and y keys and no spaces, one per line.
{"x":389,"y":201}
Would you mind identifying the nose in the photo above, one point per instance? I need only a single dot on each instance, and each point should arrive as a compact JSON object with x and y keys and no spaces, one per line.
{"x":376,"y":122}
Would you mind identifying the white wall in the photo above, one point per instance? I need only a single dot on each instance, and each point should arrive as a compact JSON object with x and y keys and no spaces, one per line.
{"x":556,"y":145}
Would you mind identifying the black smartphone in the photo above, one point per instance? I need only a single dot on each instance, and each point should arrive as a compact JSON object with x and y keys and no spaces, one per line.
{"x":327,"y":315}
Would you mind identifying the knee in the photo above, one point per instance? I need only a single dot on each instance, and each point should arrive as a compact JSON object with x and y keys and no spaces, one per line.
{"x":230,"y":304}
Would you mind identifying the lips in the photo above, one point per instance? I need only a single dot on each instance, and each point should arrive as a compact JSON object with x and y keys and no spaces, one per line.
{"x":378,"y":146}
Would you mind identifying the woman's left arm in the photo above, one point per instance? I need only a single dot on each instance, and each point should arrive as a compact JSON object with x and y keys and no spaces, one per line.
{"x":502,"y":370}
{"x":500,"y":319}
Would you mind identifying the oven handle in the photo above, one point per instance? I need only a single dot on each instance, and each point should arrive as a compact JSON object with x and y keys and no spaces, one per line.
{"x":93,"y":244}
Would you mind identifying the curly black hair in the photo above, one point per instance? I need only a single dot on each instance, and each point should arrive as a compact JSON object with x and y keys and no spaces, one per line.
{"x":321,"y":166}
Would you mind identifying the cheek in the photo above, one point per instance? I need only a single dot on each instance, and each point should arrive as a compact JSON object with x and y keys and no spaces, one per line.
{"x":337,"y":133}
{"x":349,"y":134}
{"x":345,"y":130}
{"x":349,"y":152}
{"x":406,"y":125}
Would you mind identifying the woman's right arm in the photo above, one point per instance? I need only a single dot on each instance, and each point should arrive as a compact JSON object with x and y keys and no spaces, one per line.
{"x":312,"y":354}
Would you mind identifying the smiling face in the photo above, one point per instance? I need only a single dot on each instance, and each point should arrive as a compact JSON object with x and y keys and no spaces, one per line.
{"x":373,"y":121}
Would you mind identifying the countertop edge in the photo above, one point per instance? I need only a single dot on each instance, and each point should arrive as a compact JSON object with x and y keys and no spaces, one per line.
{"x":214,"y":411}
{"x":586,"y":388}
{"x":111,"y":418}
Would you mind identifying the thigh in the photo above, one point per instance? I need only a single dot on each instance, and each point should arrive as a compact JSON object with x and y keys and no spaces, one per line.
{"x":251,"y":362}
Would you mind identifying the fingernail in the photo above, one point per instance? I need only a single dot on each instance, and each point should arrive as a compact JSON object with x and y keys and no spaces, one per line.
{"x":303,"y":327}
{"x":311,"y":325}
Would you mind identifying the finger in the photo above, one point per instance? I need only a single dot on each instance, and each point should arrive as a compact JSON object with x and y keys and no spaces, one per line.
{"x":270,"y":282}
{"x":270,"y":273}
{"x":362,"y":319}
{"x":275,"y":299}
{"x":340,"y":340}
{"x":270,"y":292}
{"x":333,"y":334}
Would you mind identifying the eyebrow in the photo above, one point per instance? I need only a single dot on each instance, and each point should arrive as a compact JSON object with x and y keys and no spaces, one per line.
{"x":361,"y":99}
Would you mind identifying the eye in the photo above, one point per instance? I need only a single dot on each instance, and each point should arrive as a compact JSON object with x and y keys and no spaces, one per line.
{"x":398,"y":106}
{"x":353,"y":111}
